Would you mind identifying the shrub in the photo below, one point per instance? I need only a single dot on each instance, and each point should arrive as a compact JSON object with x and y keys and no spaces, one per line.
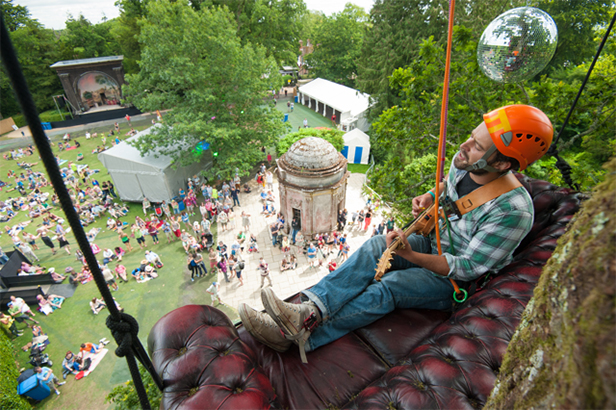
{"x":125,"y":396}
{"x":9,"y":399}
{"x":20,"y":120}
{"x":333,"y":136}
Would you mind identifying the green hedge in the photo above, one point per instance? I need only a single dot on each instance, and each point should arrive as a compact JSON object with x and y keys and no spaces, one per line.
{"x":9,"y":399}
{"x":19,"y":119}
{"x":47,"y":116}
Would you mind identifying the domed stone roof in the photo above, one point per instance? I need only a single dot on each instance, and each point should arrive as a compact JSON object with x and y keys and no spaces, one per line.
{"x":312,"y":153}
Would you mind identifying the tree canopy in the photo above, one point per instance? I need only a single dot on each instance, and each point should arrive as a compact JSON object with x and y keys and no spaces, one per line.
{"x":405,"y":137}
{"x":215,"y":85}
{"x":338,"y":41}
{"x":36,"y":49}
{"x":273,"y":24}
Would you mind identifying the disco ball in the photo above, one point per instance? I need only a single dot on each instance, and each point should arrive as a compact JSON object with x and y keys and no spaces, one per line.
{"x":517,"y":45}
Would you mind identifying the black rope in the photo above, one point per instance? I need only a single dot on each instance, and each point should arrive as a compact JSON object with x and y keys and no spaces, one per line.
{"x":561,"y":164}
{"x":125,"y":327}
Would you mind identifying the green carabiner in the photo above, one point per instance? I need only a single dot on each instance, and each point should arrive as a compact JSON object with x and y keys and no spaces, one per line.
{"x":455,"y":296}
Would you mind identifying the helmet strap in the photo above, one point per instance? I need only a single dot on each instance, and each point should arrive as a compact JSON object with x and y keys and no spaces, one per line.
{"x":482,"y":163}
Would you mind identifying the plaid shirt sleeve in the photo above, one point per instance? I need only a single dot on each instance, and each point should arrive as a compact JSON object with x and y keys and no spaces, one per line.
{"x":484,"y":239}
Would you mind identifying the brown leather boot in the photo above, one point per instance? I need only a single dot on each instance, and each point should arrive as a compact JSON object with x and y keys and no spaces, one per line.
{"x":297,"y":321}
{"x":263,"y":328}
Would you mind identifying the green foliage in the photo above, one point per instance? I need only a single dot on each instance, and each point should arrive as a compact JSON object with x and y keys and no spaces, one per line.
{"x":82,"y":39}
{"x":406,"y":135}
{"x":14,"y":15}
{"x":20,"y":120}
{"x":53,"y":116}
{"x":125,"y":396}
{"x":273,"y":24}
{"x":215,"y":85}
{"x":576,"y":21}
{"x":332,"y":136}
{"x":398,"y":182}
{"x":125,"y":30}
{"x":309,"y":21}
{"x":338,"y":40}
{"x":9,"y":399}
{"x":36,"y":50}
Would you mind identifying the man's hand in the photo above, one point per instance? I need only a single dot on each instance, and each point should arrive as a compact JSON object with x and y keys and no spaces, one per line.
{"x":404,"y":248}
{"x":420,"y":203}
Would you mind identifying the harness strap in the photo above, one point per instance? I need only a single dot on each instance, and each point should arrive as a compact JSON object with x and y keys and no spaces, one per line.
{"x":487,"y":192}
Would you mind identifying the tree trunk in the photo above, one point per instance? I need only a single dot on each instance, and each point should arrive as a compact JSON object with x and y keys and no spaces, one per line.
{"x":563,"y":353}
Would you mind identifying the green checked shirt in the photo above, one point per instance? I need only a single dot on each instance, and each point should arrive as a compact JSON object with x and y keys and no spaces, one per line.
{"x":485,"y":238}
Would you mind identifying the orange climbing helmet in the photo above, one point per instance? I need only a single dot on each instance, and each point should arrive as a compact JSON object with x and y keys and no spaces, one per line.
{"x":520,"y":131}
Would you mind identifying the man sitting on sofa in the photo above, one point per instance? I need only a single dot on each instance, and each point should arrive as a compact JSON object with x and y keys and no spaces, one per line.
{"x":479,"y":242}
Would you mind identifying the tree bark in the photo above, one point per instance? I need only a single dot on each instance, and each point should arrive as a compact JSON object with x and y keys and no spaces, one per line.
{"x":563,"y":352}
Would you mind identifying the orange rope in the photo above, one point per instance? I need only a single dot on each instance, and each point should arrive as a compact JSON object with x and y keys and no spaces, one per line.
{"x":441,"y":141}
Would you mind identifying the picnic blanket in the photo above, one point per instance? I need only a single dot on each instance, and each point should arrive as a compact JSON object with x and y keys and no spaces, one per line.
{"x":70,"y":148}
{"x":96,"y":359}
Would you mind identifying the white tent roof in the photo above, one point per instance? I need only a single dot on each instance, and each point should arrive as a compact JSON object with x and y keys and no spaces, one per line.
{"x":337,"y":96}
{"x":125,"y":151}
{"x":356,"y":137}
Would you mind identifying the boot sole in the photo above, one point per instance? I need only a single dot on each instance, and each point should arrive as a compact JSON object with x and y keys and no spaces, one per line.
{"x":270,"y":302}
{"x":243,"y":311}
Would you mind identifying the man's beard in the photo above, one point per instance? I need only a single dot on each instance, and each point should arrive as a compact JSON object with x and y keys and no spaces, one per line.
{"x":462,"y":164}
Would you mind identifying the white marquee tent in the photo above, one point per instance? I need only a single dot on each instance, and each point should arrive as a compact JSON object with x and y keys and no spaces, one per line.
{"x":136,"y":176}
{"x":329,"y":98}
{"x":356,"y":147}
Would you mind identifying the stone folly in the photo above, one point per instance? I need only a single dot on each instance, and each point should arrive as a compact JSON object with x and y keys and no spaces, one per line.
{"x":312,"y":178}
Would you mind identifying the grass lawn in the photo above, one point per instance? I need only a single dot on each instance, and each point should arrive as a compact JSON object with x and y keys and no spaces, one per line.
{"x":358,"y":168}
{"x":74,"y":324}
{"x":296,"y":118}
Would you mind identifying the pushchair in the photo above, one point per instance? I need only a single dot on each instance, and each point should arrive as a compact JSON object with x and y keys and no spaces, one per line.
{"x":158,"y":210}
{"x":38,"y":358}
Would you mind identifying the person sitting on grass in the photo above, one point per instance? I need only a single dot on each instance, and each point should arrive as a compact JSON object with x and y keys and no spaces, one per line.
{"x":108,"y":256}
{"x":57,"y":277}
{"x":97,"y":305}
{"x":119,"y":252}
{"x":22,"y":305}
{"x":9,"y":324}
{"x":70,"y":365}
{"x":153,"y":258}
{"x":49,"y":303}
{"x":120,"y":272}
{"x":18,"y":315}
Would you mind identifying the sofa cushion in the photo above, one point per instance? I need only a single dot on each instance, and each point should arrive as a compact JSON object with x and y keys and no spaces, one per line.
{"x":197,"y":352}
{"x":331,"y":377}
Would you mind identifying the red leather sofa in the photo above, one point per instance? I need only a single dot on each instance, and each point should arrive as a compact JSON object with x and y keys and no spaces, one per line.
{"x":409,"y":359}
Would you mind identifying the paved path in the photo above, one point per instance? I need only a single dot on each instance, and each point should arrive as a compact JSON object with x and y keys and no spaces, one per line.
{"x":289,"y":282}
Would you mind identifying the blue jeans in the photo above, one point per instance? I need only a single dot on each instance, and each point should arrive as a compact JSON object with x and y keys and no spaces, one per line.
{"x":293,"y":234}
{"x":350,"y":298}
{"x":236,"y":201}
{"x":3,"y":259}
